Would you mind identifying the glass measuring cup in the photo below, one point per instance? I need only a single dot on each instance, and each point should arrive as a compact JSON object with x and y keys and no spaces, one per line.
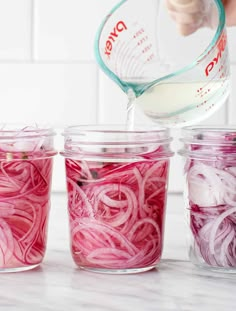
{"x":176,"y":79}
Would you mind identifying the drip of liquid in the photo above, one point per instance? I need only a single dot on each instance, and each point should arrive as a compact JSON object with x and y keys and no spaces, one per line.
{"x":130,"y":110}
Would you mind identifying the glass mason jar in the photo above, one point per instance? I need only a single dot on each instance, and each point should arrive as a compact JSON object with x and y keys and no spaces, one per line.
{"x":25,"y":179}
{"x":117,"y":186}
{"x":210,"y":195}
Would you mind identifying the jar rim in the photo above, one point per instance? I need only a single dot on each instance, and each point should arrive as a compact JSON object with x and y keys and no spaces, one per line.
{"x":209,"y":135}
{"x":26,"y":141}
{"x":115,"y":127}
{"x":208,"y":141}
{"x":27,"y":131}
{"x":105,"y":133}
{"x":213,"y":128}
{"x":115,"y":139}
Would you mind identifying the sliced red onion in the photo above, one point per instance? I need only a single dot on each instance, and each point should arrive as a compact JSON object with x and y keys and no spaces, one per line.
{"x":116,"y":212}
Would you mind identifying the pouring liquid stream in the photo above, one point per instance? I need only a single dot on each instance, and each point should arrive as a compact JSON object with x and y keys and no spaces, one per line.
{"x":130,"y":110}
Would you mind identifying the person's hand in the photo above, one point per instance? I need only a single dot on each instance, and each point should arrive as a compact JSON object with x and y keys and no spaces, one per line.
{"x":191,"y":15}
{"x":230,"y":11}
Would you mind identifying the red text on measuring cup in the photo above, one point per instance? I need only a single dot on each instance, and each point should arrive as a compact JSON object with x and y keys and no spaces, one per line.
{"x":221,"y":47}
{"x":119,"y":27}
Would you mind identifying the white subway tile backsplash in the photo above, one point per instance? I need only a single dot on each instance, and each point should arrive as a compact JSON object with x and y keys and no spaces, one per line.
{"x":231,"y":31}
{"x":55,"y":93}
{"x":15,"y":29}
{"x":112,"y":101}
{"x":65,"y":29}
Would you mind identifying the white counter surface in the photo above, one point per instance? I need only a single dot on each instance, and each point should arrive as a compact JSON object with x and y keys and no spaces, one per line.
{"x":176,"y":285}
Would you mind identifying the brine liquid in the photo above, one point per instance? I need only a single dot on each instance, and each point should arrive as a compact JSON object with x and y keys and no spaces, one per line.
{"x":181,"y":102}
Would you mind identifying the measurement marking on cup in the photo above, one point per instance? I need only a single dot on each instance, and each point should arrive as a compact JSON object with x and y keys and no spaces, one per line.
{"x":209,"y":86}
{"x":114,"y":34}
{"x":221,"y":48}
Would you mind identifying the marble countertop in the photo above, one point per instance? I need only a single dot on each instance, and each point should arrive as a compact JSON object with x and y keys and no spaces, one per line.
{"x":59,"y":285}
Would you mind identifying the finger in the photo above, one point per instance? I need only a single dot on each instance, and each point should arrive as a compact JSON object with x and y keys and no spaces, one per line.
{"x":194,"y":20}
{"x":186,"y":6}
{"x":186,"y":30}
{"x":230,"y":11}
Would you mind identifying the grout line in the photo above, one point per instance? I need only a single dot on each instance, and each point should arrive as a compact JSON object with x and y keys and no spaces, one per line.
{"x":46,"y":62}
{"x":172,"y":192}
{"x":52,"y":61}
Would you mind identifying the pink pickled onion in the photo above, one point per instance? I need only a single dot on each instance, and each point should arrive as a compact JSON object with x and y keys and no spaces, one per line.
{"x":116,"y":212}
{"x":212,"y":203}
{"x":24,"y":203}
